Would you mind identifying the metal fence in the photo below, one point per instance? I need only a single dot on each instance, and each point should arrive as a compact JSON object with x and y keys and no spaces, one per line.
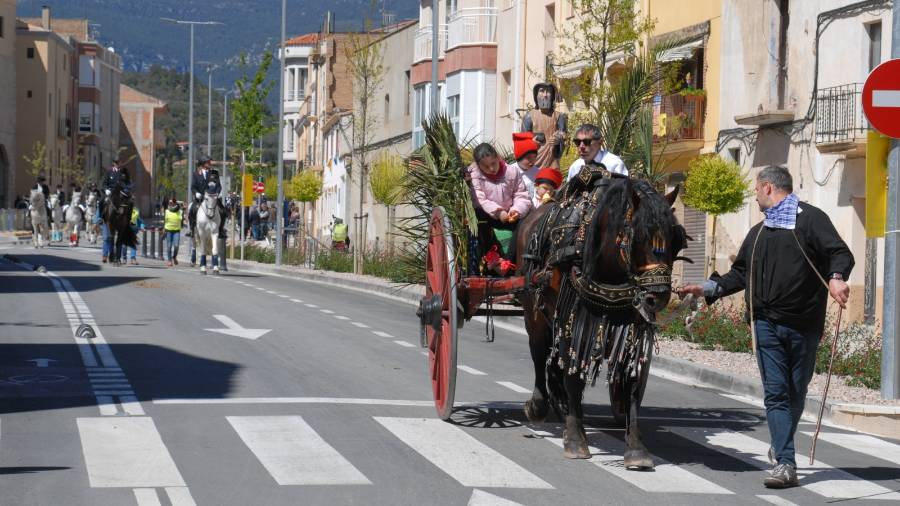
{"x":839,"y":114}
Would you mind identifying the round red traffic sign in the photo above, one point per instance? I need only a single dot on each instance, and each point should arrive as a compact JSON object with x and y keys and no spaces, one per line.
{"x":881,"y":98}
{"x":259,"y":187}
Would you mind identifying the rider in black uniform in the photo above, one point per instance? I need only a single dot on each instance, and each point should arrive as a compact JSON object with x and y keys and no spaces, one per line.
{"x":115,"y":177}
{"x":205,"y":180}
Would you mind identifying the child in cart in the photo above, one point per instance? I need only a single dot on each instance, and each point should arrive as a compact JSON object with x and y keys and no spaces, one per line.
{"x":501,"y":200}
{"x":546,"y":182}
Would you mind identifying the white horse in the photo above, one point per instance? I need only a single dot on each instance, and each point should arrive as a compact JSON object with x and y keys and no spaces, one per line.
{"x":58,"y":220}
{"x":38,"y":218}
{"x":74,"y":218}
{"x":90,"y":214}
{"x":208,"y":220}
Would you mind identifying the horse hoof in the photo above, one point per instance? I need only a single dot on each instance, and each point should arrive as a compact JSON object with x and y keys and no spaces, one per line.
{"x":536,"y":411}
{"x":638,"y":460}
{"x":576,"y":450}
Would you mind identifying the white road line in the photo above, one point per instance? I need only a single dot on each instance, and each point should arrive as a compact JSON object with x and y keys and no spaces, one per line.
{"x":819,"y":478}
{"x":146,"y":497}
{"x":360,"y":325}
{"x":298,"y":400}
{"x":455,"y":452}
{"x":284,"y":296}
{"x":311,"y":306}
{"x":482,"y":498}
{"x":326,"y":311}
{"x":774,"y":499}
{"x":106,"y":376}
{"x":131,"y":405}
{"x":297,"y":301}
{"x":863,"y":444}
{"x":515,"y":388}
{"x":114,"y":392}
{"x":471,"y":370}
{"x":180,"y":496}
{"x":260,"y":289}
{"x":107,"y":405}
{"x":381,"y":334}
{"x":271,"y":292}
{"x":404,"y":344}
{"x":126,"y":452}
{"x":117,"y":386}
{"x":293,"y":453}
{"x":665,"y":478}
{"x":339,"y":317}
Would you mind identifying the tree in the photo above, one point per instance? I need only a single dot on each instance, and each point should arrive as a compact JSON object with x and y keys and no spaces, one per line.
{"x":72,"y":169}
{"x":715,"y":186}
{"x":305,"y":187}
{"x":365,"y":65}
{"x":250,"y":118}
{"x":387,"y":177}
{"x":39,"y":159}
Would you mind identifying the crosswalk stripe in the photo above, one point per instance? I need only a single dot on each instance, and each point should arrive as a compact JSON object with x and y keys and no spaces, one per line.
{"x":864,"y":444}
{"x":293,"y":453}
{"x":180,"y":496}
{"x":777,"y":501}
{"x":107,"y":405}
{"x":467,"y":460}
{"x":146,"y":497}
{"x":131,"y":405}
{"x":482,"y":498}
{"x":819,"y":478}
{"x":126,"y":452}
{"x":665,"y":478}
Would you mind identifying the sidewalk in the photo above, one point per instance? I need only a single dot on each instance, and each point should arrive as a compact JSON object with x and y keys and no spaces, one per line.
{"x":882,"y":420}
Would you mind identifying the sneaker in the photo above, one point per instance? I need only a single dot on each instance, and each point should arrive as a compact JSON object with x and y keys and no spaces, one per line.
{"x":169,"y":263}
{"x":782,"y":476}
{"x":175,"y":261}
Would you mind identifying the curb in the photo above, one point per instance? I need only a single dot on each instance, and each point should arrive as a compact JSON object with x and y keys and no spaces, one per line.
{"x":873,"y":419}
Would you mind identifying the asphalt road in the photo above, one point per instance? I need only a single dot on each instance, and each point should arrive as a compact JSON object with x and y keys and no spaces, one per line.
{"x":315,"y":394}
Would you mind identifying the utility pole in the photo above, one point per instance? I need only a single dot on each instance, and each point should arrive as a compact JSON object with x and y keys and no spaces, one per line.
{"x":890,"y":355}
{"x":435,"y":31}
{"x":279,"y":218}
{"x":190,"y":167}
{"x":209,"y":69}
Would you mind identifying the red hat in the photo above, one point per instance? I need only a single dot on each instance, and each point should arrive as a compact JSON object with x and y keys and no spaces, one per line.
{"x":523,"y":143}
{"x":549,"y":175}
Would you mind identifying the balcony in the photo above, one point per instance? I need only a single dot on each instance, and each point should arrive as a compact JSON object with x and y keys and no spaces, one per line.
{"x":295,"y":95}
{"x":475,"y":26}
{"x":840,"y":124}
{"x":679,"y":119}
{"x":422,"y":43}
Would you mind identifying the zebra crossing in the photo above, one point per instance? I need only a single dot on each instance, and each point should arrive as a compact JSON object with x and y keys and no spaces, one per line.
{"x":129,"y":452}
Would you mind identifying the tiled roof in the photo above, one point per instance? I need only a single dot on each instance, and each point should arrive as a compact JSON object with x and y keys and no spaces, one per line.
{"x":308,"y":39}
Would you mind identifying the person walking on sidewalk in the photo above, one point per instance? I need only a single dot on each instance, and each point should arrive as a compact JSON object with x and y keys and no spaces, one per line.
{"x":174,"y":222}
{"x":787,"y":266}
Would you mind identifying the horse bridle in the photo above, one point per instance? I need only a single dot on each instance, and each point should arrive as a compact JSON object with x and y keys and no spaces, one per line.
{"x":205,"y":205}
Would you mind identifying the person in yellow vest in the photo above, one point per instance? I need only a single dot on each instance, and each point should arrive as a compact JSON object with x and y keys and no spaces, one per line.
{"x":174,"y":222}
{"x":340,"y":240}
{"x":136,"y":225}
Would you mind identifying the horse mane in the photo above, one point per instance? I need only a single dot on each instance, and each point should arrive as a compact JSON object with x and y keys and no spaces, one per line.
{"x":653,"y":214}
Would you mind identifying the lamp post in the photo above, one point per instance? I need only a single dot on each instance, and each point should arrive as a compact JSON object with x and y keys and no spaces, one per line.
{"x":191,"y":97}
{"x":209,"y":70}
{"x":279,"y":212}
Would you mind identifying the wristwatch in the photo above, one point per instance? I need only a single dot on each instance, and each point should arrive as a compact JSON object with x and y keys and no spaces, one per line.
{"x":837,"y":275}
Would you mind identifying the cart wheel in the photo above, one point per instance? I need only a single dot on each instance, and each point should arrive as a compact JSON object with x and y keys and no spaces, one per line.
{"x":437,"y":312}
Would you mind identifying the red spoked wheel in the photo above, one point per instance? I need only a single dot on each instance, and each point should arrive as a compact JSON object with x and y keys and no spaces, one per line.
{"x":437,"y":312}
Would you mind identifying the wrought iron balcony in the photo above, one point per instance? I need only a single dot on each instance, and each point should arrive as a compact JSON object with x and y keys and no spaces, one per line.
{"x":678,"y":117}
{"x":840,"y":123}
{"x":422,"y":43}
{"x":474,"y":26}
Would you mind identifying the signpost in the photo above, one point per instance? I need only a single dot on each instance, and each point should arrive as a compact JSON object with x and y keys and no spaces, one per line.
{"x":259,"y":187}
{"x":881,"y":98}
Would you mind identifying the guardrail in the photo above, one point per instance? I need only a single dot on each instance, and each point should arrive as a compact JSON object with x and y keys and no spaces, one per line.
{"x":839,"y":114}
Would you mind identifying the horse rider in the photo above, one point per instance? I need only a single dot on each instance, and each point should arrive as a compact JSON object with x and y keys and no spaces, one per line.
{"x":116,"y":177}
{"x":205,"y":180}
{"x":42,"y":184}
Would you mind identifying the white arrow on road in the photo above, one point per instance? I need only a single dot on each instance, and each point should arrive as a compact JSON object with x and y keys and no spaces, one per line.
{"x":233,"y":329}
{"x":482,"y":498}
{"x":41,"y":362}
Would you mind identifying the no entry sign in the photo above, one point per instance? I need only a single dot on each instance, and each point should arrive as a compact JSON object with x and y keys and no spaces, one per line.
{"x":881,"y":98}
{"x":259,"y":187}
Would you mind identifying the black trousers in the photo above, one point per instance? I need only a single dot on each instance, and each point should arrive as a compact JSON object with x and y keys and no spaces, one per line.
{"x":487,"y":239}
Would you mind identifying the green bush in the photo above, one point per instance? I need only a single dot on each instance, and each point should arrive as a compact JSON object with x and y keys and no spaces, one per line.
{"x":716,"y":327}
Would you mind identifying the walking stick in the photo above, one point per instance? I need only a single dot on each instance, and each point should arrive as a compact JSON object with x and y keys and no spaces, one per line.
{"x":837,"y":328}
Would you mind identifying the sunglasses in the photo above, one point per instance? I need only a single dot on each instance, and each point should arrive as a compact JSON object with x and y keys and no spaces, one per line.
{"x":579,"y":142}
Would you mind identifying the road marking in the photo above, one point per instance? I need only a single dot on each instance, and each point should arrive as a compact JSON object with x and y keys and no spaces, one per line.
{"x":665,"y":478}
{"x":180,"y":496}
{"x":482,"y":498}
{"x":284,"y":296}
{"x":297,"y":400}
{"x":131,"y":405}
{"x":116,"y":386}
{"x":405,"y":344}
{"x":327,"y":311}
{"x":114,"y":392}
{"x":381,"y":334}
{"x":260,"y":289}
{"x":293,"y":453}
{"x":819,"y":478}
{"x":311,"y":306}
{"x":885,"y":98}
{"x":339,"y":317}
{"x":41,"y":362}
{"x":146,"y":497}
{"x":360,"y":325}
{"x":864,"y":444}
{"x":774,"y":499}
{"x":126,"y":452}
{"x":106,"y":376}
{"x":455,"y":452}
{"x":233,"y":329}
{"x":297,"y":301}
{"x":515,"y":388}
{"x":107,"y":405}
{"x":471,"y":370}
{"x":271,"y":292}
{"x":115,"y":379}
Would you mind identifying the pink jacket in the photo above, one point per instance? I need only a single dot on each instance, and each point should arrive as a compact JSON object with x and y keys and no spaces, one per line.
{"x":503,"y":192}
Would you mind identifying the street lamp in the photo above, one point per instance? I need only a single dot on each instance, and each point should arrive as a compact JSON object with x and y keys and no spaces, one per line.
{"x":209,"y":69}
{"x":279,"y":221}
{"x":191,"y":96}
{"x":225,"y":92}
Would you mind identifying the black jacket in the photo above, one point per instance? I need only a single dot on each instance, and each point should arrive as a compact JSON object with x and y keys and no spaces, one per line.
{"x":114,"y":178}
{"x":786,"y":291}
{"x":199,"y":184}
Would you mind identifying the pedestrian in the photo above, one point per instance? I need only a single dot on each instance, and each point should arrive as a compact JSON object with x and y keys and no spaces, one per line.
{"x":174,"y":222}
{"x":525,"y":149}
{"x":254,"y":223}
{"x":787,"y":266}
{"x":136,"y":224}
{"x":589,"y":143}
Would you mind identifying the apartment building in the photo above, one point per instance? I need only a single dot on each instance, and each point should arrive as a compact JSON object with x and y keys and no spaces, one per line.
{"x":8,"y":88}
{"x":139,"y":141}
{"x":296,"y":77}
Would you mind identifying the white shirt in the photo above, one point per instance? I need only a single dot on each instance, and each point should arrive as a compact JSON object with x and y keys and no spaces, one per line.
{"x":527,"y":176}
{"x":612,"y":163}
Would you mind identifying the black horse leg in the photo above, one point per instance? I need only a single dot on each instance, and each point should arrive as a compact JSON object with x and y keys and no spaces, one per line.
{"x":574,"y":437}
{"x":636,"y":455}
{"x":539,"y":342}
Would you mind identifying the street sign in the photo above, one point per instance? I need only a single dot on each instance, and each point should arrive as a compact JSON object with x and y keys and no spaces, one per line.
{"x":247,"y":190}
{"x":259,"y":187}
{"x":881,"y":98}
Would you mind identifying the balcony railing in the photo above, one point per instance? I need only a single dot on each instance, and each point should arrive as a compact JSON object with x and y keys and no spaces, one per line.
{"x":475,"y":26}
{"x":295,"y":95}
{"x":423,"y":42}
{"x":678,"y":117}
{"x":839,"y":114}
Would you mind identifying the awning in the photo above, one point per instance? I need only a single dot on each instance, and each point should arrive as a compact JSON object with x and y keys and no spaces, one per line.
{"x":682,"y":52}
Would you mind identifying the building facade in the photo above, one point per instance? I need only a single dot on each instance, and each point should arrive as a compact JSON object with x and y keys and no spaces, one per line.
{"x":140,"y":140}
{"x":8,"y":95}
{"x":296,"y":77}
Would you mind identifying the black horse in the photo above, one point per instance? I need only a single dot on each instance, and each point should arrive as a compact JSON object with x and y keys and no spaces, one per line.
{"x":117,"y":216}
{"x":600,"y":259}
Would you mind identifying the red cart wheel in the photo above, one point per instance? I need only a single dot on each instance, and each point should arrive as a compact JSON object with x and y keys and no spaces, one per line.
{"x":437,"y":312}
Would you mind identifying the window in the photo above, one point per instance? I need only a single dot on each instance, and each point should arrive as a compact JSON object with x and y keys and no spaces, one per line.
{"x":453,"y":113}
{"x":1,"y":27}
{"x":408,"y":95}
{"x":420,"y":111}
{"x":29,"y":53}
{"x":387,"y":108}
{"x":874,"y":30}
{"x":735,"y":154}
{"x":506,"y":93}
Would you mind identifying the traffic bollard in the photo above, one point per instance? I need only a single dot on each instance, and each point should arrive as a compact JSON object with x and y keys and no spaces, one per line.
{"x":152,"y":243}
{"x":162,"y":239}
{"x":144,"y":243}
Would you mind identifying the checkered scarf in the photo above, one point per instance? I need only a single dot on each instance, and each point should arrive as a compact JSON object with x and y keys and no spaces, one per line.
{"x":783,"y":214}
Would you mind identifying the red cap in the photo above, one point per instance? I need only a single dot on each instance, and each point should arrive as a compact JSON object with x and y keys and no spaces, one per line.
{"x":523,"y":143}
{"x":549,"y":175}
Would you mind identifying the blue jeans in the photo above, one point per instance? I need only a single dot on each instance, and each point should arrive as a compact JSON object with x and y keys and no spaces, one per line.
{"x":106,"y":240}
{"x":173,"y":240}
{"x":787,"y":360}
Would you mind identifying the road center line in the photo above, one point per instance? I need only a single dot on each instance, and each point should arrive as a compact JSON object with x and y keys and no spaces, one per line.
{"x":360,"y":325}
{"x":405,"y":344}
{"x":471,"y":370}
{"x":512,"y":386}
